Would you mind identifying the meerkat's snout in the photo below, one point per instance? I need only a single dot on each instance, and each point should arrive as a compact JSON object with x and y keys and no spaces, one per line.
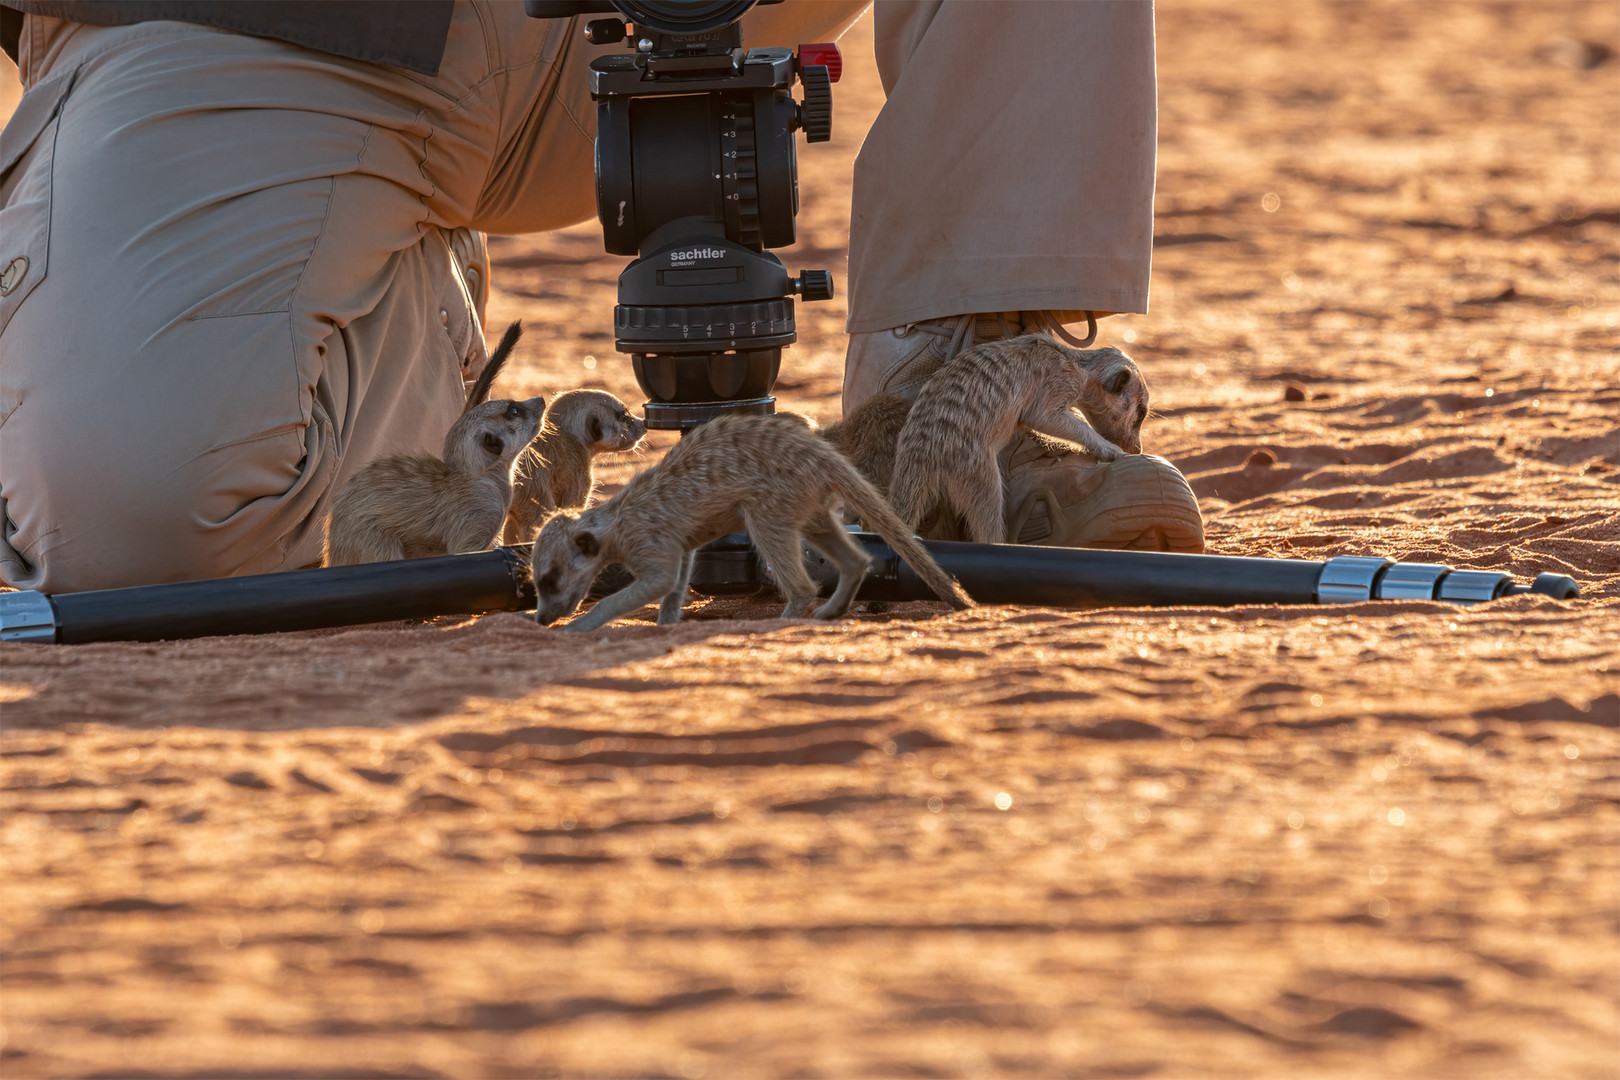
{"x":510,"y":426}
{"x":564,"y":564}
{"x":1127,"y":405}
{"x":611,"y":427}
{"x":525,"y":413}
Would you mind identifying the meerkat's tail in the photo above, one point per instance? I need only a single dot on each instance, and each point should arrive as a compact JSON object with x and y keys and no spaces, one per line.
{"x":497,"y":360}
{"x":876,"y":514}
{"x":912,"y":491}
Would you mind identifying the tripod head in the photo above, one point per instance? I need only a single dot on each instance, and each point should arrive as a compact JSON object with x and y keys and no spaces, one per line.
{"x":696,"y":176}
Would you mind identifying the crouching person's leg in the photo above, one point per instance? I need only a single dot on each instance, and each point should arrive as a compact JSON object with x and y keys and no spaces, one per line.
{"x":184,"y":455}
{"x":154,"y":468}
{"x":1047,"y":213}
{"x":177,"y":399}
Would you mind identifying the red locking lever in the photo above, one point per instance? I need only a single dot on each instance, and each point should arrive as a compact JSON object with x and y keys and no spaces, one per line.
{"x":826,"y":54}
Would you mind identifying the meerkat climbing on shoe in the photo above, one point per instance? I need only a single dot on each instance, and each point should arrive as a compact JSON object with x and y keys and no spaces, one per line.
{"x":778,"y":480}
{"x":945,"y":460}
{"x":415,"y":505}
{"x":556,"y":471}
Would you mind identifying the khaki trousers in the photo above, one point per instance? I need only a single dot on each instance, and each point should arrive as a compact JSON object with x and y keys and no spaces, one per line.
{"x":225,"y":284}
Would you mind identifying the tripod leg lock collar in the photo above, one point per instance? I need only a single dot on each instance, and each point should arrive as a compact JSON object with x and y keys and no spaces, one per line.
{"x":1350,"y":579}
{"x":1412,"y":581}
{"x":27,"y":616}
{"x":1473,"y":586}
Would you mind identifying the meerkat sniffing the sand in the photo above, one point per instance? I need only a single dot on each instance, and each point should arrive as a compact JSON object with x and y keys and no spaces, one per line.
{"x":776,"y":479}
{"x":868,"y":436}
{"x":556,"y":471}
{"x":415,"y":505}
{"x":945,"y":460}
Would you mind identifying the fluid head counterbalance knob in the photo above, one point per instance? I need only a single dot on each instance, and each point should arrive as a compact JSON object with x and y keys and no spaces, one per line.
{"x":814,"y":284}
{"x":815,"y":115}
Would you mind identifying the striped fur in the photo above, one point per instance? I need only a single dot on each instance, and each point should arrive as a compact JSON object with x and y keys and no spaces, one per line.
{"x":945,"y":461}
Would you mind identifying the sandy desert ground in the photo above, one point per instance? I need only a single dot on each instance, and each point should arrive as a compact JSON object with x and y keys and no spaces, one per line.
{"x":1261,"y":841}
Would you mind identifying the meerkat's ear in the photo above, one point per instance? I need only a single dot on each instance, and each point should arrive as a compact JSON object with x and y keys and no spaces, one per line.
{"x":596,"y":428}
{"x":1121,"y":379}
{"x":586,"y":542}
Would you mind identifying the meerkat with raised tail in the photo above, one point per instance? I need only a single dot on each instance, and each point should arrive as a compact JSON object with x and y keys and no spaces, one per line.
{"x":945,"y":459}
{"x":868,"y":436}
{"x":779,"y":481}
{"x":556,"y":471}
{"x":415,"y":505}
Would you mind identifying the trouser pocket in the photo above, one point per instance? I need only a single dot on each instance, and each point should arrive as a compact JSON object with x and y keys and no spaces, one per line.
{"x":27,"y":152}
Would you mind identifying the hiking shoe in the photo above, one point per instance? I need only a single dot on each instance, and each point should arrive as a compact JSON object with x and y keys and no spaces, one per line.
{"x":1056,"y":495}
{"x":900,"y":360}
{"x":1059,"y":497}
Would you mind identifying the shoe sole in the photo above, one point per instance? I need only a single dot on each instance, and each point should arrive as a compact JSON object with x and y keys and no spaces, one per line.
{"x":1144,"y":504}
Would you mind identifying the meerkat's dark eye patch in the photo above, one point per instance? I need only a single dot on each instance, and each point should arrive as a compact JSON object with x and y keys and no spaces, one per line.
{"x":1119,"y":382}
{"x":513,"y":411}
{"x":494,"y":444}
{"x":1141,"y":413}
{"x":586,"y":542}
{"x":548,"y":583}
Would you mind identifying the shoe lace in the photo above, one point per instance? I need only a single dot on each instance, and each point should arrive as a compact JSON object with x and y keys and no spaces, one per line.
{"x":963,"y":329}
{"x":1045,"y":320}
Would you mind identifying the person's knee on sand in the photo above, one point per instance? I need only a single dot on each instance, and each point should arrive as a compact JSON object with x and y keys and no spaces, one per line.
{"x":147,"y":512}
{"x":201,"y":456}
{"x":181,"y":390}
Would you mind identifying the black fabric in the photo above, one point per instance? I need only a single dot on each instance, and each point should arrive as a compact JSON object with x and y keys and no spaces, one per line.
{"x":10,"y":31}
{"x":406,"y":33}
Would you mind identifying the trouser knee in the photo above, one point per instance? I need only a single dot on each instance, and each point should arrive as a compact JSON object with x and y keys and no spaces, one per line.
{"x":132,"y":514}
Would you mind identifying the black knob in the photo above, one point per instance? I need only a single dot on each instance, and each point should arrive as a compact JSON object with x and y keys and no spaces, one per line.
{"x":1559,"y":585}
{"x":604,"y":31}
{"x":815,"y":115}
{"x":814,"y":284}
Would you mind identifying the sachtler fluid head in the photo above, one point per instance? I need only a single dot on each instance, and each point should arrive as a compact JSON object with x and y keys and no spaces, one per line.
{"x":696,"y":175}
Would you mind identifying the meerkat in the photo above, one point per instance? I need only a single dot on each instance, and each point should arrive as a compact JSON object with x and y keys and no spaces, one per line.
{"x":967,"y":411}
{"x":414,"y":505}
{"x":868,"y":436}
{"x":777,"y":480}
{"x":800,"y":418}
{"x":556,"y":471}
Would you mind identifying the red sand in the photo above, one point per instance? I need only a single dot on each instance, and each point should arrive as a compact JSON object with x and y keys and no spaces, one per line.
{"x":1375,"y":841}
